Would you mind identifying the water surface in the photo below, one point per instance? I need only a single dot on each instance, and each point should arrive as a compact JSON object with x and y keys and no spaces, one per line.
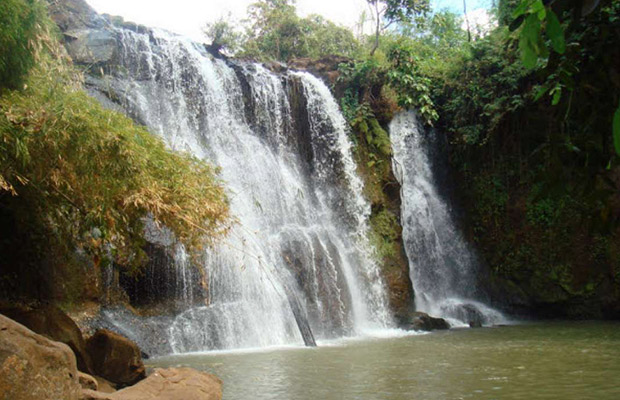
{"x":577,"y":360}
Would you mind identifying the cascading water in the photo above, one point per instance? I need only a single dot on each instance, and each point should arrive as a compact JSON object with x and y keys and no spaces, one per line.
{"x":297,"y":264}
{"x":443,"y":269}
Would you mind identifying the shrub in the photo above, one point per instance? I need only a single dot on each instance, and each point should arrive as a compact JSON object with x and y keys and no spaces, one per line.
{"x":90,"y":177}
{"x":19,"y":21}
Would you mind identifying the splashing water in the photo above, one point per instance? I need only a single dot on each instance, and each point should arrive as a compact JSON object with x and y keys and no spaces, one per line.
{"x":299,"y":253}
{"x":443,"y":269}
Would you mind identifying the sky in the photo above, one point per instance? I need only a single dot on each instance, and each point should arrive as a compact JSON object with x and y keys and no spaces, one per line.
{"x":187,"y":17}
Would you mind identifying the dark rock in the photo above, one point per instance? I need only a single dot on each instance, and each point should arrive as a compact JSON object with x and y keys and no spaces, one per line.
{"x":325,"y":68}
{"x":163,"y":281}
{"x":475,"y":324}
{"x":115,"y":358}
{"x":470,"y":313}
{"x":52,"y":322}
{"x":276,"y":66}
{"x":420,"y":321}
{"x":34,"y":367}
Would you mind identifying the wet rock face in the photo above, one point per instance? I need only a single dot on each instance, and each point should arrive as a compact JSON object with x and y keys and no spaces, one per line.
{"x":34,"y":367}
{"x":91,"y":46}
{"x":326,"y":68}
{"x":115,"y":358}
{"x":52,"y":322}
{"x":164,"y":286}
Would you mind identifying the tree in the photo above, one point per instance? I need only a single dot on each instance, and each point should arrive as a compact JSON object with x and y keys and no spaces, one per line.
{"x":323,"y":37}
{"x":223,"y":36}
{"x":387,"y":12}
{"x":274,"y":30}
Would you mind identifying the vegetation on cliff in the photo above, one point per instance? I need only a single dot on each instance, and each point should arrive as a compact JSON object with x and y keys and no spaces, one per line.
{"x":530,"y":110}
{"x":74,"y":175}
{"x":533,"y":145}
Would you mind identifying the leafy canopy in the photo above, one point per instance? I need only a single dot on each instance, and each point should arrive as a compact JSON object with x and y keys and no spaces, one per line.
{"x":275,"y":32}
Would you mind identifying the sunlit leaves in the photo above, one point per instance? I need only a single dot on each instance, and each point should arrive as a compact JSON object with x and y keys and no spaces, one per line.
{"x":412,"y":87}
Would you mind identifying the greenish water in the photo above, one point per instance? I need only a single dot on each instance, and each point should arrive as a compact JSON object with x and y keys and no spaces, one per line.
{"x":578,"y":360}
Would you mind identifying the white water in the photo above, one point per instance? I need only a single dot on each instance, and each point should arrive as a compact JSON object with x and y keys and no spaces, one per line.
{"x":443,"y":269}
{"x":301,"y":236}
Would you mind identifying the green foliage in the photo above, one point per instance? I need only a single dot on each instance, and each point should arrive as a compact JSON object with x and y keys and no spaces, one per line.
{"x":323,"y":38}
{"x":484,"y":87}
{"x":531,"y":43}
{"x":538,"y":178}
{"x":19,"y":24}
{"x":386,"y":232}
{"x":223,"y":36}
{"x":413,"y":89}
{"x":403,"y":10}
{"x":91,"y":177}
{"x":276,"y":32}
{"x":388,"y":12}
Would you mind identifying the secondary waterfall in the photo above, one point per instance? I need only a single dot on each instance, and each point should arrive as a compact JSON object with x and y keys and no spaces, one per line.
{"x":297,"y":263}
{"x":443,"y":268}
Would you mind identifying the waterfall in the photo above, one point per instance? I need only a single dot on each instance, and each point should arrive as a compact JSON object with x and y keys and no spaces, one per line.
{"x":297,"y":264}
{"x":442,"y":267}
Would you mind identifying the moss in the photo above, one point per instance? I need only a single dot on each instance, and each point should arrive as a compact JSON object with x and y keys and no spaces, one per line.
{"x":386,"y":232}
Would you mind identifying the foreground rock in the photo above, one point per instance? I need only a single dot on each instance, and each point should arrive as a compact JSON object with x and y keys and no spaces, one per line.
{"x":420,"y":321}
{"x":167,"y":384}
{"x":52,"y":322}
{"x":115,"y":358}
{"x":87,"y":381}
{"x":34,"y":367}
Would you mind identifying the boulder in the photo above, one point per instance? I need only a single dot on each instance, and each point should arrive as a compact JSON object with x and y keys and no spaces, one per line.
{"x":104,"y":385}
{"x":470,"y":313}
{"x":115,"y":358}
{"x":88,"y":394}
{"x":172,"y":384}
{"x":52,"y":322}
{"x":475,"y":324}
{"x":87,"y":381}
{"x":420,"y":321}
{"x":34,"y":367}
